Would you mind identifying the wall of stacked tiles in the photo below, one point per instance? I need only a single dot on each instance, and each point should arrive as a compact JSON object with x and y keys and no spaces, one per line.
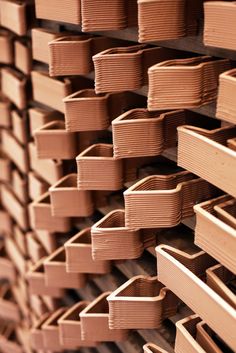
{"x":117,"y":176}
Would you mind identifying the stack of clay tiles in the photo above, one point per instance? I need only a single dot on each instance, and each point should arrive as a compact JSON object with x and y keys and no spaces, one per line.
{"x":184,"y":83}
{"x":219,"y":26}
{"x":116,"y":15}
{"x":164,"y":20}
{"x":117,"y":181}
{"x":226,"y":107}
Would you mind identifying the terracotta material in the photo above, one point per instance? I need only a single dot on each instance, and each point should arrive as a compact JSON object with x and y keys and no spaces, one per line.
{"x":70,"y":55}
{"x":47,"y":239}
{"x":141,"y":303}
{"x":219,"y":29}
{"x":5,"y":223}
{"x":221,"y":281}
{"x":54,"y":142}
{"x":56,"y":274}
{"x":70,"y":327}
{"x":183,"y":282}
{"x":42,"y":219}
{"x":139,"y":133}
{"x":50,"y":241}
{"x":15,"y":151}
{"x":20,"y":126}
{"x":5,"y":106}
{"x":41,"y":116}
{"x":161,"y":20}
{"x":164,"y":200}
{"x":41,"y":305}
{"x":206,"y":338}
{"x":225,"y":211}
{"x":36,"y":333}
{"x":116,"y":15}
{"x":37,"y":306}
{"x":88,"y":138}
{"x":23,"y":290}
{"x":50,"y":331}
{"x":184,"y":83}
{"x":91,"y":164}
{"x":152,"y":348}
{"x":37,"y":282}
{"x":23,"y":56}
{"x":137,"y":168}
{"x":232,"y":144}
{"x":52,"y":303}
{"x":37,"y":186}
{"x":15,"y":254}
{"x":20,"y":300}
{"x":8,"y":340}
{"x":33,"y":319}
{"x":195,"y":142}
{"x":8,"y":308}
{"x":7,"y":269}
{"x":14,"y":85}
{"x":20,"y":186}
{"x":38,"y":310}
{"x":17,"y":211}
{"x":40,"y":39}
{"x":101,"y":198}
{"x":125,"y":68}
{"x":95,"y":322}
{"x":103,"y":18}
{"x":35,"y":249}
{"x":186,"y":335}
{"x":13,"y":16}
{"x":226,"y":106}
{"x":49,"y":91}
{"x":87,"y":111}
{"x":79,"y":255}
{"x":62,"y":11}
{"x":112,"y":240}
{"x":20,"y":241}
{"x":195,"y":336}
{"x":6,"y":47}
{"x":24,"y":337}
{"x":50,"y":170}
{"x":5,"y":168}
{"x":80,"y":203}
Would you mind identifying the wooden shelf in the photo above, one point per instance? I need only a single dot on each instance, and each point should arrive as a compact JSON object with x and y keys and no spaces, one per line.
{"x":208,"y":110}
{"x":192,"y":44}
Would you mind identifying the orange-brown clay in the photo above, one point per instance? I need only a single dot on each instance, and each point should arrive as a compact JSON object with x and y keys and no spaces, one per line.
{"x":79,"y":255}
{"x":91,"y":164}
{"x":141,"y":303}
{"x":95,"y":322}
{"x":68,"y":201}
{"x":56,"y":274}
{"x":163,"y":200}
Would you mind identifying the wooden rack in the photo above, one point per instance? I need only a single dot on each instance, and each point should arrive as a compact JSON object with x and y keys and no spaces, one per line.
{"x":146,"y":265}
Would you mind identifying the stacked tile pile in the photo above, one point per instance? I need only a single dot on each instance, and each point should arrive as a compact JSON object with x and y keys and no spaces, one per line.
{"x":107,"y":166}
{"x":219,"y":29}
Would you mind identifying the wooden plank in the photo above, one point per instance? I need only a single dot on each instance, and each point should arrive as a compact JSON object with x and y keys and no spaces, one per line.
{"x":195,"y":44}
{"x":192,"y":44}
